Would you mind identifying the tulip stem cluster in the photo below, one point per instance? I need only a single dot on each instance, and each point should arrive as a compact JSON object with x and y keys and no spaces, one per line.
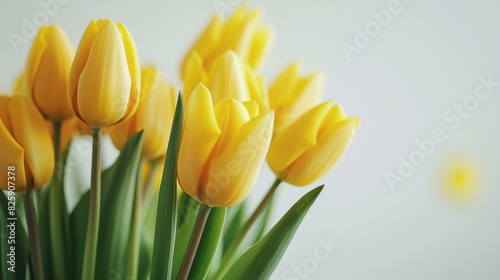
{"x":94,"y":207}
{"x":34,"y":241}
{"x":233,"y":248}
{"x":194,"y":241}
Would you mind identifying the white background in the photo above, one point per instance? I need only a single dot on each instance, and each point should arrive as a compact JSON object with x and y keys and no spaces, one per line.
{"x":427,"y":58}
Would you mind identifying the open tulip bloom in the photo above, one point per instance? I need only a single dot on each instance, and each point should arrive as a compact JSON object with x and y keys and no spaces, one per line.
{"x":172,"y":205}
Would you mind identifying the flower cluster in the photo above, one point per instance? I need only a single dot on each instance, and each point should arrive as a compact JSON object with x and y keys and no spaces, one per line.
{"x":226,"y":124}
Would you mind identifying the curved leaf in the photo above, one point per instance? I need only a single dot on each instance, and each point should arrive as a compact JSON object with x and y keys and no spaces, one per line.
{"x":260,"y":260}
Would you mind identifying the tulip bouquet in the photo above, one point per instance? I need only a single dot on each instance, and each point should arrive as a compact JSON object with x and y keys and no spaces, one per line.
{"x":173,"y":203}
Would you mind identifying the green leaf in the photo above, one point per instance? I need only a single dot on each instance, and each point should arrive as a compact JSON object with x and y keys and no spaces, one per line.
{"x":186,"y":207}
{"x":78,"y":227}
{"x":232,"y":228}
{"x":21,"y":241}
{"x":118,"y":187}
{"x":264,"y":221}
{"x":164,"y":239}
{"x":208,"y":244}
{"x":144,"y":256}
{"x":150,"y":217}
{"x":260,"y":260}
{"x":54,"y":227}
{"x":118,"y":190}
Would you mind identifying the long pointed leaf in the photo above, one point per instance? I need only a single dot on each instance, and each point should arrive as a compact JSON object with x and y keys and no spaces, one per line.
{"x":261,"y":259}
{"x":164,"y":239}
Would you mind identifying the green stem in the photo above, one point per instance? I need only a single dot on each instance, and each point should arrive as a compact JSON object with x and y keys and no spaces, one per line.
{"x":133,"y":254}
{"x":194,"y":241}
{"x":94,"y":207}
{"x":57,"y":233}
{"x":233,"y":248}
{"x":34,"y":240}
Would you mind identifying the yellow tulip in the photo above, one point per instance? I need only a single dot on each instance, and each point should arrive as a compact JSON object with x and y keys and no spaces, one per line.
{"x":291,"y":95}
{"x":105,"y":78}
{"x":154,"y":115}
{"x":229,"y":77}
{"x":222,"y":148}
{"x":243,"y":33}
{"x":47,"y":71}
{"x":25,"y":144}
{"x":309,"y":147}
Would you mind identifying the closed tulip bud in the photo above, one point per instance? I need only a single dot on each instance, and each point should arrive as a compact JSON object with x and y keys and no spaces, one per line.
{"x":105,"y":78}
{"x":154,"y":115}
{"x":310,"y":146}
{"x":25,"y":145}
{"x":47,"y":71}
{"x":243,"y":33}
{"x":222,"y":148}
{"x":229,"y":77}
{"x":291,"y":95}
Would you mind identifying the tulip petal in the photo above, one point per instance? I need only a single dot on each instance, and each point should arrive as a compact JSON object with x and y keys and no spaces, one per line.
{"x":32,"y":134}
{"x":227,"y":79}
{"x":335,"y":115}
{"x":195,"y":73}
{"x":284,"y":84}
{"x":206,"y":43}
{"x":104,"y":87}
{"x":79,"y":62}
{"x":291,"y":95}
{"x":230,"y":115}
{"x":239,"y":30}
{"x":155,"y":115}
{"x":20,"y":84}
{"x":50,"y":84}
{"x":199,"y":136}
{"x":296,"y":138}
{"x":240,"y":163}
{"x":252,"y":108}
{"x":261,"y":43}
{"x":36,"y":53}
{"x":307,"y":92}
{"x":4,"y":113}
{"x":256,"y":89}
{"x":12,"y":154}
{"x":314,"y":163}
{"x":134,"y":69}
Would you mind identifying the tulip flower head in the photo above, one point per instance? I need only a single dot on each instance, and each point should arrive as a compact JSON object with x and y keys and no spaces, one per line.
{"x":229,"y":77}
{"x":291,"y":95}
{"x":47,"y":71}
{"x":309,"y":147}
{"x":154,"y":115}
{"x":105,"y":79}
{"x":222,"y":148}
{"x":25,"y":145}
{"x":243,"y":33}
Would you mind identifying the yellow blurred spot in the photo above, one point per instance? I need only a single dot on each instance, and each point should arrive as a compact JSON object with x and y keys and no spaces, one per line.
{"x":461,"y":179}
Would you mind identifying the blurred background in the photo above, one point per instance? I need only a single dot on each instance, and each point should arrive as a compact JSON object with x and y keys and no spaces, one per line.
{"x":416,"y":196}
